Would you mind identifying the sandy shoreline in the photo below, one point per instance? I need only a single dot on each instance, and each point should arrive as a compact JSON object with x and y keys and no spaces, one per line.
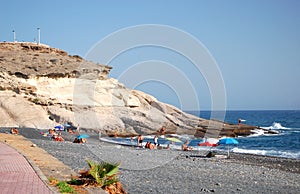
{"x":165,"y":171}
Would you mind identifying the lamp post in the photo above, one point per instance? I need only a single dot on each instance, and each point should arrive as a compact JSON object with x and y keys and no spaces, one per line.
{"x":15,"y":39}
{"x":39,"y":36}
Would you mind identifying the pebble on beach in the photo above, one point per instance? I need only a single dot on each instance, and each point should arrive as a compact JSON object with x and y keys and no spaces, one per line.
{"x":169,"y":171}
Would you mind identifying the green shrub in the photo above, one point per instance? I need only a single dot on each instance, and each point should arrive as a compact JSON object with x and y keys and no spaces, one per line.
{"x":102,"y":174}
{"x":64,"y":187}
{"x":35,"y":100}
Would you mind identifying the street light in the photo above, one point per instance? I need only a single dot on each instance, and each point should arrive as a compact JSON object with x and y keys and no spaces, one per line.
{"x":39,"y":36}
{"x":15,"y":39}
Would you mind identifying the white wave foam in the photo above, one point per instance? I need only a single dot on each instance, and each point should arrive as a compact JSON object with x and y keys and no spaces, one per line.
{"x":244,"y":151}
{"x":260,"y":132}
{"x":268,"y":153}
{"x":290,"y":155}
{"x":275,"y":125}
{"x":257,"y":132}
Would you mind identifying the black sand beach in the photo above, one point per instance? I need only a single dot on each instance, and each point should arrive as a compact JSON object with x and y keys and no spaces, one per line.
{"x":167,"y":171}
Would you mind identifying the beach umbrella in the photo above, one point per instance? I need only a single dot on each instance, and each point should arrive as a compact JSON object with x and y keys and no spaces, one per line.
{"x":173,"y":139}
{"x":211,"y":142}
{"x":206,"y":143}
{"x":59,"y":127}
{"x":82,"y":136}
{"x":228,"y":141}
{"x":67,"y":125}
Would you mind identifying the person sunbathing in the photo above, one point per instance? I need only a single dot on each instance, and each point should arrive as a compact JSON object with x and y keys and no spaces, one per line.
{"x":58,"y":137}
{"x":69,"y":130}
{"x":14,"y":131}
{"x":76,"y":140}
{"x":149,"y":145}
{"x":81,"y":140}
{"x":52,"y":132}
{"x":185,"y":146}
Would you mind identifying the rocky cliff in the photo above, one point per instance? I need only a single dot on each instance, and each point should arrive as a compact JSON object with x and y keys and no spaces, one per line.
{"x":41,"y":87}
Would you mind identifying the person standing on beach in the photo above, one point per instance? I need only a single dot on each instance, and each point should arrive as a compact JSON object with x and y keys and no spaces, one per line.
{"x":162,"y":130}
{"x":78,"y":129}
{"x":155,"y":140}
{"x":140,"y":140}
{"x":185,"y":146}
{"x":99,"y":134}
{"x":239,"y":121}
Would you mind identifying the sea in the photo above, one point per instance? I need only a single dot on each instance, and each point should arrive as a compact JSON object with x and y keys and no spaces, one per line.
{"x":286,"y":143}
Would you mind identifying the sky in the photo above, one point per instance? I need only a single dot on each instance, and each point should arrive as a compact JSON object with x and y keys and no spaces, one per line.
{"x":255,"y":46}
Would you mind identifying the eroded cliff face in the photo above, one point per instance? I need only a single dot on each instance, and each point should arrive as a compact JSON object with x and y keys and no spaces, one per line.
{"x":41,"y":87}
{"x":27,"y":60}
{"x":53,"y":88}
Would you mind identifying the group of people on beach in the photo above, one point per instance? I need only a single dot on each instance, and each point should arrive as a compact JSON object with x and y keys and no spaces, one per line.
{"x":148,"y":144}
{"x":56,"y":136}
{"x":156,"y":145}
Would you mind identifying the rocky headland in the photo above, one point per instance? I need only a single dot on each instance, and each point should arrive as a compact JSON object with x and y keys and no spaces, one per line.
{"x":41,"y":87}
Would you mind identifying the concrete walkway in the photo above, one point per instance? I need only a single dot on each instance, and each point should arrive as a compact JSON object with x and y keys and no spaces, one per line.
{"x":17,"y":175}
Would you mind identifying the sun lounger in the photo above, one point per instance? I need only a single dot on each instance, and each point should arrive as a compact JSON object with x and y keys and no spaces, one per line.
{"x":208,"y":154}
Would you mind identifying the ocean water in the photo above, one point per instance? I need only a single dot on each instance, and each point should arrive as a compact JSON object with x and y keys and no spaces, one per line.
{"x":284,"y":144}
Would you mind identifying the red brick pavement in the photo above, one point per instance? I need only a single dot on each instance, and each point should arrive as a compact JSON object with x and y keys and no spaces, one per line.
{"x":17,"y":175}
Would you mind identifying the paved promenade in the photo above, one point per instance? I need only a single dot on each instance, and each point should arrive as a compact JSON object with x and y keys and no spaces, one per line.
{"x":17,"y":175}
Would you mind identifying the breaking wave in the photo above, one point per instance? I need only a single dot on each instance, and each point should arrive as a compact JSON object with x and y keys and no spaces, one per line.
{"x":276,"y":125}
{"x":284,"y":154}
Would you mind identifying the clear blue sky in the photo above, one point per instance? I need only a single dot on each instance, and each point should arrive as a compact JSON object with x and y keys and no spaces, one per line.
{"x":255,"y":43}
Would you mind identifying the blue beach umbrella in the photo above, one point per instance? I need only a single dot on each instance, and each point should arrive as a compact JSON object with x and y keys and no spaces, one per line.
{"x":228,"y":141}
{"x":59,"y":127}
{"x":82,"y":136}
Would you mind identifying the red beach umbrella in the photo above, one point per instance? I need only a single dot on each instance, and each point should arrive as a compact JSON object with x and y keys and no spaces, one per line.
{"x":206,"y":143}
